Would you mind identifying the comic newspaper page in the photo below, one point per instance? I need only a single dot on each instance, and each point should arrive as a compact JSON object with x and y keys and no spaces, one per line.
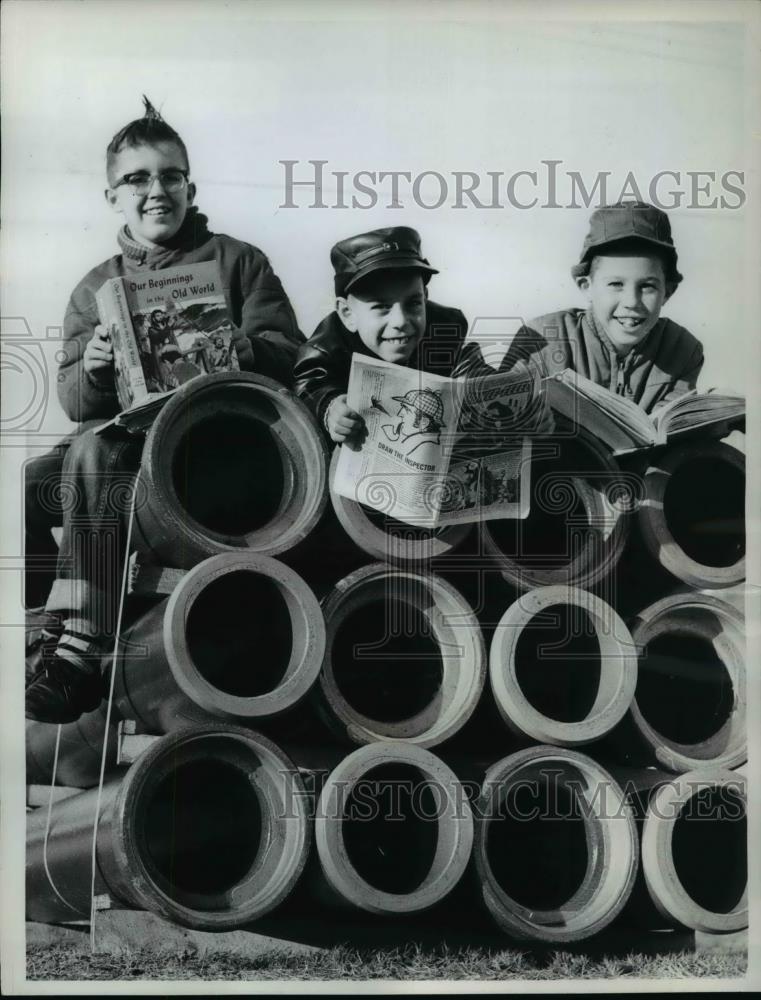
{"x":400,"y":464}
{"x":437,"y":450}
{"x":489,"y":473}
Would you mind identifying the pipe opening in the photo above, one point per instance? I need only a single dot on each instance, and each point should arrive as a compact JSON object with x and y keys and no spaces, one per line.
{"x":228,"y":472}
{"x":538,"y":844}
{"x":684,"y":690}
{"x":709,"y":849}
{"x":704,"y":507}
{"x":389,"y":827}
{"x":398,"y":529}
{"x":558,"y":664}
{"x":201,"y":829}
{"x":239,"y":634}
{"x":386,"y":662}
{"x":547,"y":538}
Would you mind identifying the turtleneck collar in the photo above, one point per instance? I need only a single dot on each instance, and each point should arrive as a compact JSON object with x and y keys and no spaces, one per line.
{"x":193,"y":232}
{"x":608,"y":344}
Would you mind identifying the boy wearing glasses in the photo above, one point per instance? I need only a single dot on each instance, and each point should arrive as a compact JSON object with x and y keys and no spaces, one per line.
{"x":147,"y":169}
{"x":148,"y":172}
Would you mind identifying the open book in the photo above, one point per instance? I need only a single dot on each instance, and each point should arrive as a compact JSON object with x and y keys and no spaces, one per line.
{"x":623,"y":425}
{"x":166,"y":327}
{"x":437,"y":450}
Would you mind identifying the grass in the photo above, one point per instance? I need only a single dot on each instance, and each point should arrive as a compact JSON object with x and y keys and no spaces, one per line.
{"x":61,"y":962}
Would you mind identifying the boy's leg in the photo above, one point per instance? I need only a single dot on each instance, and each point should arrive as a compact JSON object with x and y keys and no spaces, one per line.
{"x":42,"y":513}
{"x":44,"y":501}
{"x":98,"y":477}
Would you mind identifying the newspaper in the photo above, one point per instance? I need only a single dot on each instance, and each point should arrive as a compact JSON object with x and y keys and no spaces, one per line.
{"x":437,"y":450}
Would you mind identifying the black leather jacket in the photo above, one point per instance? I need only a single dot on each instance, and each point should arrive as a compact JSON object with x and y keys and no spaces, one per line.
{"x":323,"y":362}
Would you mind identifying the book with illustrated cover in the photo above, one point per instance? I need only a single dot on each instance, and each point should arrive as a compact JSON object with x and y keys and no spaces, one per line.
{"x":624,"y":426}
{"x":166,"y":327}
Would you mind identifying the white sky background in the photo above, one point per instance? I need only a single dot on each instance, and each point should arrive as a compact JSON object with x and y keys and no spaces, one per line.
{"x":371,"y":86}
{"x":394,"y":86}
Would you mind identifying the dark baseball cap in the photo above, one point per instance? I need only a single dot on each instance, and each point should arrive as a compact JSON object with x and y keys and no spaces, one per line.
{"x":628,"y":220}
{"x":380,"y":249}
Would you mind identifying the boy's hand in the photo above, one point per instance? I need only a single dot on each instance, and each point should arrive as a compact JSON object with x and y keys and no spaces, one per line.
{"x":99,"y":354}
{"x":244,"y":350}
{"x":341,"y":421}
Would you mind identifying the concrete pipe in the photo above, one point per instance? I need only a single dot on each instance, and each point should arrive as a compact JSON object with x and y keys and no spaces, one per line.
{"x":563,"y":667}
{"x":692,"y":518}
{"x":79,"y":751}
{"x":578,"y":524}
{"x":233,"y":461}
{"x":240,"y":638}
{"x":208,"y":828}
{"x":404,"y":658}
{"x":688,"y":709}
{"x":694,"y":851}
{"x":388,"y":539}
{"x":555,"y":845}
{"x":393,"y":829}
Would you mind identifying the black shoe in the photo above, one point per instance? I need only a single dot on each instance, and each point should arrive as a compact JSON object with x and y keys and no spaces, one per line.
{"x":61,"y":692}
{"x":43,"y":631}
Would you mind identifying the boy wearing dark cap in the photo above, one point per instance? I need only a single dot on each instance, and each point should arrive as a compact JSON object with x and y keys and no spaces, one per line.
{"x":148,"y":175}
{"x":627,"y":272}
{"x":382,"y":310}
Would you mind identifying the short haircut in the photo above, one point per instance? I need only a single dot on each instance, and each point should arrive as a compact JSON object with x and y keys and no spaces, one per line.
{"x":636,"y":248}
{"x":145,"y":131}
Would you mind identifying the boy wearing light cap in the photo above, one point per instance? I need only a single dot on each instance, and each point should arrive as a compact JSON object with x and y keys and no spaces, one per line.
{"x":627,"y":272}
{"x":382,"y":310}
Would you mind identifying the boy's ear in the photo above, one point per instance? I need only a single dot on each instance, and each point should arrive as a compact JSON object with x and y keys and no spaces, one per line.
{"x":346,"y":314}
{"x":113,"y":199}
{"x":671,"y":287}
{"x":191,"y":192}
{"x":582,"y":282}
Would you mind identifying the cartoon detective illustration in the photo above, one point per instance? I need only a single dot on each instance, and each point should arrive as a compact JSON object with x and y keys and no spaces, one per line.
{"x":421,"y":420}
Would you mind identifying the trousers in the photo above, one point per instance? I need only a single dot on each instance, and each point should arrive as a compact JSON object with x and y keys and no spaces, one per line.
{"x":97,"y":481}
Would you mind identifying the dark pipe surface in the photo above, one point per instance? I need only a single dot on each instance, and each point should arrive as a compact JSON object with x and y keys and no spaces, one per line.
{"x":208,"y":828}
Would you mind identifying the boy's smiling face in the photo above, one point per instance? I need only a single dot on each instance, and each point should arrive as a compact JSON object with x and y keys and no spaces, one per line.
{"x":155,"y":217}
{"x":387,"y":311}
{"x":626,"y":294}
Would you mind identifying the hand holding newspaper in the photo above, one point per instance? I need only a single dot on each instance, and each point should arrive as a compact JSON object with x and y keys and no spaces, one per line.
{"x":437,"y":450}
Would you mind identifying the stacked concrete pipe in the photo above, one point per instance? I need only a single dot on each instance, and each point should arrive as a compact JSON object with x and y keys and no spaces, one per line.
{"x":387,"y":539}
{"x":578,"y":525}
{"x":694,"y":851}
{"x":555,"y":845}
{"x":80,"y":750}
{"x":404,"y":658}
{"x":393,"y":830}
{"x":567,"y":694}
{"x":688,"y":711}
{"x":692,"y":517}
{"x":208,"y":828}
{"x":241,"y":637}
{"x":233,"y":461}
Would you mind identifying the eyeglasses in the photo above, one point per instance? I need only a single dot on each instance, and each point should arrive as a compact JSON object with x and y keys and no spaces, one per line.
{"x":141,"y":182}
